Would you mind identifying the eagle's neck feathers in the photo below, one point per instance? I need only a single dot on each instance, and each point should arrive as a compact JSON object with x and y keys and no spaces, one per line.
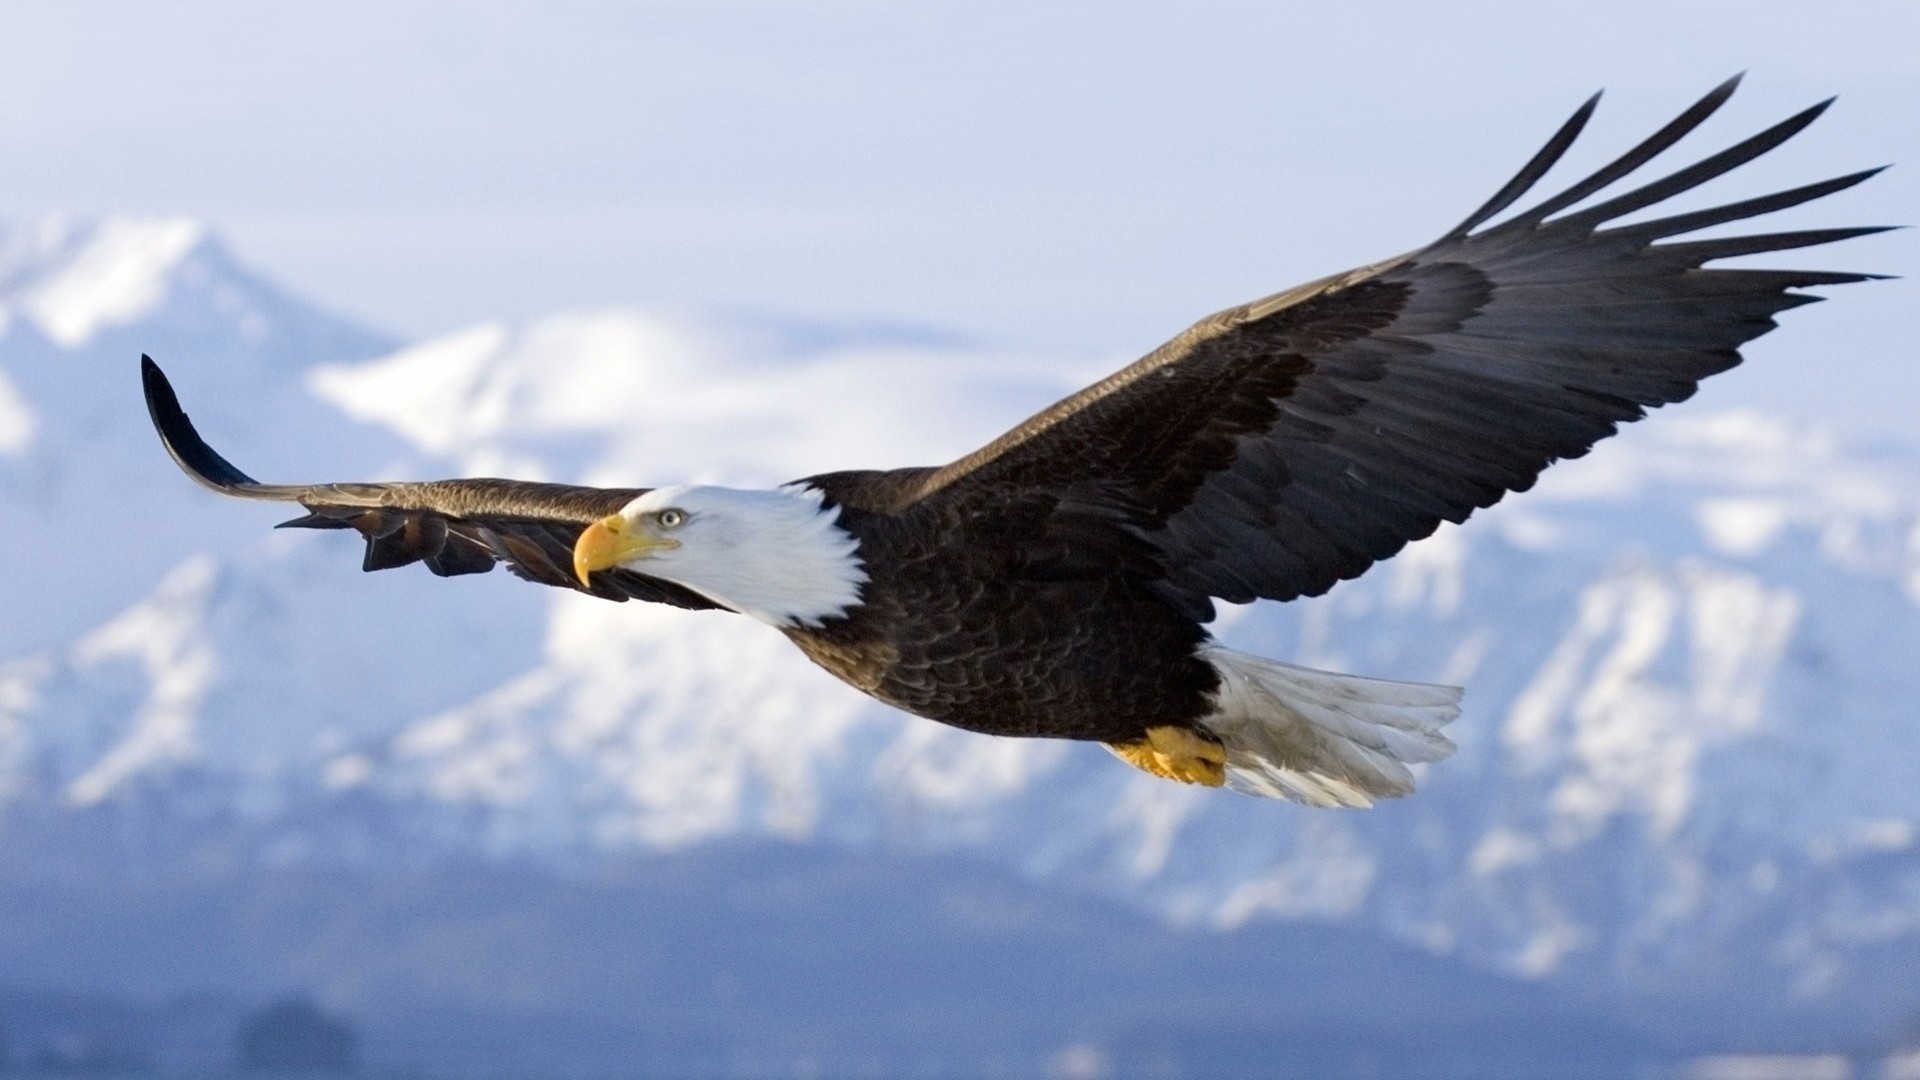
{"x":779,"y":556}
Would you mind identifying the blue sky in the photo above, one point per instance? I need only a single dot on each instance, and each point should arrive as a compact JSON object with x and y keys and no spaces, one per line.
{"x":1076,"y":179}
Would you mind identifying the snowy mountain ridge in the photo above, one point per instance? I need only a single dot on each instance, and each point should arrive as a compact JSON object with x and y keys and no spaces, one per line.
{"x":1685,"y":759}
{"x":73,"y":279}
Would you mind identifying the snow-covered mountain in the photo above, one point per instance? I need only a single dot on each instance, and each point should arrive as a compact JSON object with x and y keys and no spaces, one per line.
{"x":1687,"y":765}
{"x":79,"y":303}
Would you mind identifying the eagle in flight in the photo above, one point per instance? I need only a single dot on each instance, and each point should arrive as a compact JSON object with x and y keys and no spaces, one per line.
{"x":1058,"y":582}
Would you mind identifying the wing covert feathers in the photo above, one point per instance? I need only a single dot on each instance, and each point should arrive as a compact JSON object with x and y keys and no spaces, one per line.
{"x":1277,"y":448}
{"x":453,"y":527}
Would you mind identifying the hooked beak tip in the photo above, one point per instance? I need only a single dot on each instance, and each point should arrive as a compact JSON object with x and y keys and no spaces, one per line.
{"x":597,"y":549}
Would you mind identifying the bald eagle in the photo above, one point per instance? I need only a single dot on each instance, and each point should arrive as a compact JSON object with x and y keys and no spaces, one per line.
{"x":1058,"y":582}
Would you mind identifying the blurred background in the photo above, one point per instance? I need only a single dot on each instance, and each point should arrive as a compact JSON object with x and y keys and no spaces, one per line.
{"x":259,"y":810}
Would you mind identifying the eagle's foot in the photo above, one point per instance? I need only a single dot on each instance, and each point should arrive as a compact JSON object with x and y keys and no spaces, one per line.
{"x":1176,"y":753}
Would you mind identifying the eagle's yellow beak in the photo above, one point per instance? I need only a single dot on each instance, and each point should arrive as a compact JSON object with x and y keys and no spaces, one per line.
{"x":611,"y":541}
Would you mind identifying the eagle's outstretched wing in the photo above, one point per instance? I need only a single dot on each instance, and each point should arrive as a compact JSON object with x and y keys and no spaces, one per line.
{"x":452,"y":526}
{"x":1277,"y":448}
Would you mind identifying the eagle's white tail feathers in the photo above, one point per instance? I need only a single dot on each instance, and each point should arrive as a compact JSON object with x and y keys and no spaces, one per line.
{"x":1320,"y":738}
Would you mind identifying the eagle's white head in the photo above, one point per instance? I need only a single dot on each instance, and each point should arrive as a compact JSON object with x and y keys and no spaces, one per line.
{"x":779,"y":556}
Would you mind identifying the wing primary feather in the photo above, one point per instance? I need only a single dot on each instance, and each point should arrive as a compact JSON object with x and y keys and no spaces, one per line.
{"x":1649,"y":149}
{"x":315,"y":521}
{"x":1745,"y":208}
{"x":1694,"y":175}
{"x":208,"y":469}
{"x":183,"y":443}
{"x":1531,"y":172}
{"x":1702,"y":251}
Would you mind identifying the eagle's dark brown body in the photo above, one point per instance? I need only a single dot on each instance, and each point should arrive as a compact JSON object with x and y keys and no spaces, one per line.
{"x":996,"y":617}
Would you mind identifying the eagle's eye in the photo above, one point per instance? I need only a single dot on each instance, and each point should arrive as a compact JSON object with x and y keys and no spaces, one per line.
{"x":671,"y":519}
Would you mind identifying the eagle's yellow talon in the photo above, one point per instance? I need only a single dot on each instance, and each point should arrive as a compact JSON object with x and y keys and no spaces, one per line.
{"x":1176,"y":753}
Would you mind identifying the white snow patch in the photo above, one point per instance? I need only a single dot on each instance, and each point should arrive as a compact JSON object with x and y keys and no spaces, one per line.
{"x":1625,"y":735}
{"x":941,"y":766}
{"x":1912,"y":575}
{"x":164,"y":636}
{"x":1466,"y":658}
{"x":1872,"y":837}
{"x":1738,"y":629}
{"x":1598,"y":477}
{"x":1530,"y":730}
{"x":1770,"y":1067}
{"x":1327,"y":876}
{"x":624,"y":398}
{"x":1079,"y":1061}
{"x":17,"y":422}
{"x":1501,"y":849}
{"x":1901,"y":1066}
{"x":482,"y":752}
{"x":623,"y":737}
{"x":592,"y":372}
{"x":1741,"y":527}
{"x":466,"y":394}
{"x":1619,"y":732}
{"x":436,"y":395}
{"x":347,"y":771}
{"x":20,"y":682}
{"x":1744,"y":430}
{"x":1430,"y":574}
{"x":1551,"y":942}
{"x":119,"y":274}
{"x":1890,"y":834}
{"x":1157,"y":811}
{"x":1528,"y":532}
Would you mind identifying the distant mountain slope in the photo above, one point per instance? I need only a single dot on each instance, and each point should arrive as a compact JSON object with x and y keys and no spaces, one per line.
{"x":79,"y":302}
{"x":1686,"y":767}
{"x":778,"y":955}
